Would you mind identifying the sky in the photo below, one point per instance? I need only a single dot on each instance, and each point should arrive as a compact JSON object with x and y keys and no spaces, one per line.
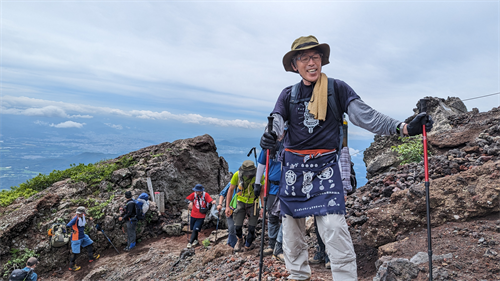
{"x":216,"y":66}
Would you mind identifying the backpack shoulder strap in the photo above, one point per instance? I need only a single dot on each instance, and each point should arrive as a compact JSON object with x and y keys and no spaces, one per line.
{"x":339,"y":117}
{"x":332,"y":101}
{"x":293,"y":93}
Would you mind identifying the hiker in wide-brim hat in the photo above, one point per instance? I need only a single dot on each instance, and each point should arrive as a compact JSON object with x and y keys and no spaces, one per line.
{"x":199,"y":188}
{"x":305,"y":43}
{"x":247,"y":169}
{"x":310,"y":183}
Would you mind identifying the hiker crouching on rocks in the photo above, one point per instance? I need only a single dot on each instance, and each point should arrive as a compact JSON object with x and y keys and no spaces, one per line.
{"x":310,"y":182}
{"x":198,"y":205}
{"x":273,"y":224}
{"x":246,"y":205}
{"x":79,"y":239}
{"x":231,"y":239}
{"x":129,"y":216}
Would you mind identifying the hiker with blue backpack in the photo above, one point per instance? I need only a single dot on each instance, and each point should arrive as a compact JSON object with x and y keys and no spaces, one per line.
{"x":135,"y":210}
{"x":129,"y":216}
{"x":200,"y":202}
{"x":310,"y":183}
{"x":273,"y":224}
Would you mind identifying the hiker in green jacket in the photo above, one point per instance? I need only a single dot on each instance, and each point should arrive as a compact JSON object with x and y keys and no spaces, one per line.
{"x":246,"y":203}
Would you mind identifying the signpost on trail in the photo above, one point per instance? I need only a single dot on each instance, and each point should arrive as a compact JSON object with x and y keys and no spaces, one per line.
{"x":150,"y":187}
{"x":160,"y":201}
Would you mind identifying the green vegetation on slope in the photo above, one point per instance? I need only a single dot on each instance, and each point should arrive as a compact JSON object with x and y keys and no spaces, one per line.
{"x":411,"y":150}
{"x":91,"y":174}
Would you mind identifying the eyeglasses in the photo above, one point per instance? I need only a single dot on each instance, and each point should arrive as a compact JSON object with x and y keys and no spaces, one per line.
{"x":305,"y":58}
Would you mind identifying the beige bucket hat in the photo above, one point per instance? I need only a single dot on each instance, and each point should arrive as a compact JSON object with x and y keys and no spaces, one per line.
{"x":305,"y":43}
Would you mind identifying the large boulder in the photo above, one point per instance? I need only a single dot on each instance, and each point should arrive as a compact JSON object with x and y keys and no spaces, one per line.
{"x":379,"y":158}
{"x":469,"y":194}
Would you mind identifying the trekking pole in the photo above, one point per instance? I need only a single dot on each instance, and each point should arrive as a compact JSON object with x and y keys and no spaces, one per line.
{"x":269,"y":128}
{"x":98,"y":227}
{"x":217,"y":228}
{"x":254,"y":154}
{"x":423,"y":108}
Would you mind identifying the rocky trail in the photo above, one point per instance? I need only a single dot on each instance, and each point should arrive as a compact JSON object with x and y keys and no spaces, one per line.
{"x":387,"y":216}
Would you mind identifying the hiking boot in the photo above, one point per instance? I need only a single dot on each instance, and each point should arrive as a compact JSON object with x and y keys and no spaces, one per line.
{"x":195,"y":242}
{"x":278,"y":249}
{"x":132,"y":245}
{"x":189,"y":245}
{"x":126,"y":249}
{"x":279,"y":257}
{"x":327,"y":262}
{"x":74,"y":267}
{"x":268,"y":252}
{"x":249,"y":248}
{"x":94,"y":257}
{"x":319,"y":257}
{"x":239,"y":244}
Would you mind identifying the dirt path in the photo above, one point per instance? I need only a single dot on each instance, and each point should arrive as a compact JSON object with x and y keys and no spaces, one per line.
{"x":474,"y":245}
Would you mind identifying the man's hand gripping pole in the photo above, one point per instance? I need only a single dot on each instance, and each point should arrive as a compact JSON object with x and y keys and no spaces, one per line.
{"x":423,"y":108}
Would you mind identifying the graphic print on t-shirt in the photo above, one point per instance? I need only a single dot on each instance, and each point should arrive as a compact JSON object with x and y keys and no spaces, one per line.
{"x":309,"y":120}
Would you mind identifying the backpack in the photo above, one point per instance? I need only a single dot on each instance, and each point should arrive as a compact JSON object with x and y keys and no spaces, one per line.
{"x":58,"y":235}
{"x":207,"y":207}
{"x":333,"y":106}
{"x":142,"y":203}
{"x":20,"y":275}
{"x":141,"y":206}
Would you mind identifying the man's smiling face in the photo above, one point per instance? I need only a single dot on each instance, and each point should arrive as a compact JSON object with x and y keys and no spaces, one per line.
{"x":308,"y":64}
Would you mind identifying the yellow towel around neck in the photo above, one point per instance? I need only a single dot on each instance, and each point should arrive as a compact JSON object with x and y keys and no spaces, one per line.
{"x":319,"y":99}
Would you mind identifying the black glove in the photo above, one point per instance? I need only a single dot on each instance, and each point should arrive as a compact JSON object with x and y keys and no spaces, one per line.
{"x":256,"y":189}
{"x":415,"y":126}
{"x":268,"y":140}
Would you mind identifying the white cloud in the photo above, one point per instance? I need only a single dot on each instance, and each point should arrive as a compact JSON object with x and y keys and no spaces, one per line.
{"x":38,"y":122}
{"x":173,"y":52}
{"x":118,"y":127}
{"x":68,"y":124}
{"x":17,"y":105}
{"x":354,"y":152}
{"x":184,"y":54}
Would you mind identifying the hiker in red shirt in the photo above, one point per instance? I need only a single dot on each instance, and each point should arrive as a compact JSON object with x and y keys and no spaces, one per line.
{"x":199,"y":206}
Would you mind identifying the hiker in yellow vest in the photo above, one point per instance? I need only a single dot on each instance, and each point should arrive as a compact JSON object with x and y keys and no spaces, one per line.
{"x":244,"y":203}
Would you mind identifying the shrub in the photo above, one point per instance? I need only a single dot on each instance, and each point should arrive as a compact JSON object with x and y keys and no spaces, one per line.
{"x":411,"y":150}
{"x":94,"y":208}
{"x":206,"y":242}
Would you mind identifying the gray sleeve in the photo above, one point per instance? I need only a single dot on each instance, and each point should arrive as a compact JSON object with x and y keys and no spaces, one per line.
{"x":362,"y":115}
{"x":278,"y":125}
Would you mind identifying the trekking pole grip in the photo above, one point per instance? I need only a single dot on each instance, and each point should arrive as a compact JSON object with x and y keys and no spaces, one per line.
{"x":250,"y":152}
{"x":270,"y":120}
{"x":423,"y":106}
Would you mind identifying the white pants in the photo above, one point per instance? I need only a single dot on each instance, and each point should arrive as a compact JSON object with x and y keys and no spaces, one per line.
{"x":335,"y":234}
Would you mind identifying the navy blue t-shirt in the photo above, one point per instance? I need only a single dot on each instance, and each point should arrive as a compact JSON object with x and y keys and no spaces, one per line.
{"x":305,"y":132}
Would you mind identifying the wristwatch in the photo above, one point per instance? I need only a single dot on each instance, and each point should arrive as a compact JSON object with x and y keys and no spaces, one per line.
{"x":400,"y":128}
